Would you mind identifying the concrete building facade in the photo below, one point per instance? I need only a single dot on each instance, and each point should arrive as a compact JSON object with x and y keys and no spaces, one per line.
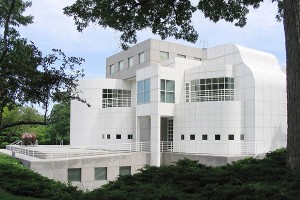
{"x":226,"y":100}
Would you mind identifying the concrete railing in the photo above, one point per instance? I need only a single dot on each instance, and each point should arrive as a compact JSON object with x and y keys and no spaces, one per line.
{"x":59,"y":151}
{"x":218,"y":148}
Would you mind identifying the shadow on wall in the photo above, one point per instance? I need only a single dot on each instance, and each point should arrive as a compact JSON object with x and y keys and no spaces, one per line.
{"x":279,"y":138}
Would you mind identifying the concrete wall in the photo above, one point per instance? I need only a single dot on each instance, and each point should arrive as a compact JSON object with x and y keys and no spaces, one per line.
{"x":58,"y":169}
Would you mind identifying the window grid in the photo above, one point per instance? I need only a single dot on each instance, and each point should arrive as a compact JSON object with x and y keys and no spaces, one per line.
{"x":116,"y":98}
{"x":167,"y":91}
{"x":170,"y":130}
{"x":187,"y":92}
{"x":212,"y":89}
{"x":143,"y":91}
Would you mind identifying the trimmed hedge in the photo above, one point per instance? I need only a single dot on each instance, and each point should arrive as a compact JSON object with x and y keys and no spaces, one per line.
{"x":249,"y":178}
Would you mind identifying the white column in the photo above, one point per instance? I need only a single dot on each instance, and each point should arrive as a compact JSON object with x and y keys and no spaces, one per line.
{"x":155,"y":140}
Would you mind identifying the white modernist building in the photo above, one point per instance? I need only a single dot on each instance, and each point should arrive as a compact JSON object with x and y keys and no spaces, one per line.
{"x":226,"y":100}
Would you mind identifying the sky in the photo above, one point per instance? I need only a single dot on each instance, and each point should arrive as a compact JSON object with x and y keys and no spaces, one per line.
{"x":52,"y":29}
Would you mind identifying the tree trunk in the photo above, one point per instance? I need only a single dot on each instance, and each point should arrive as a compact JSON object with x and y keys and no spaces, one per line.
{"x":292,"y":37}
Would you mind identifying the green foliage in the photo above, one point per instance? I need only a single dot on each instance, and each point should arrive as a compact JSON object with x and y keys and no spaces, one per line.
{"x":59,"y":123}
{"x":168,"y":18}
{"x":186,"y":179}
{"x":7,"y":196}
{"x":18,"y":180}
{"x":245,"y":179}
{"x":27,"y":76}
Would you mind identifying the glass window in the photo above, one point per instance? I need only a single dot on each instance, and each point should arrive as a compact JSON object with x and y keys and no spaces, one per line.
{"x":181,"y":56}
{"x":124,"y":170}
{"x":108,"y":136}
{"x":164,"y":55}
{"x":112,"y":69}
{"x":121,"y":65}
{"x":100,"y":173}
{"x":143,"y":91}
{"x":118,"y":136}
{"x":141,"y":58}
{"x":182,"y":137}
{"x":204,"y":137}
{"x":130,"y":136}
{"x":167,"y":91}
{"x":192,"y":137}
{"x":198,"y":59}
{"x":147,"y":85}
{"x":217,"y":137}
{"x":116,"y":98}
{"x":130,"y":62}
{"x":242,"y":137}
{"x":74,"y":175}
{"x":230,"y":137}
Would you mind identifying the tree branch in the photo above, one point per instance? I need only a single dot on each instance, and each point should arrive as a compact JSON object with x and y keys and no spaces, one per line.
{"x":6,"y":29}
{"x":4,"y":126}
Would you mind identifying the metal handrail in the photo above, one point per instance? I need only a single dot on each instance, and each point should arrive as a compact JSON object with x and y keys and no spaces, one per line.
{"x":59,"y":151}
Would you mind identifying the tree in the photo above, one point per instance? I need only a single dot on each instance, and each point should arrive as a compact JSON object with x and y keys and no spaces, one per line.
{"x":12,"y":134}
{"x":59,"y":123}
{"x":26,"y":76}
{"x":172,"y":18}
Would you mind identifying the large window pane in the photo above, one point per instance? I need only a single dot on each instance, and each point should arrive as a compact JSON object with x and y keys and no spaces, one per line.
{"x":170,"y":97}
{"x":147,"y":85}
{"x":170,"y":85}
{"x":162,"y":96}
{"x":140,"y":86}
{"x":100,"y":173}
{"x":147,"y":97}
{"x":162,"y":84}
{"x":140,"y":98}
{"x":125,"y":170}
{"x":74,"y":175}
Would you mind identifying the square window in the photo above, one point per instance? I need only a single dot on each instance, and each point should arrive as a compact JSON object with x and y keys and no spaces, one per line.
{"x":204,"y":137}
{"x":103,"y":136}
{"x":118,"y":136}
{"x":100,"y":173}
{"x":124,"y":170}
{"x":108,"y":136}
{"x":141,"y":58}
{"x":74,"y":175}
{"x":217,"y":137}
{"x":130,"y":136}
{"x":230,"y":137}
{"x":182,"y":137}
{"x":192,"y":137}
{"x":242,"y":137}
{"x":164,"y":55}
